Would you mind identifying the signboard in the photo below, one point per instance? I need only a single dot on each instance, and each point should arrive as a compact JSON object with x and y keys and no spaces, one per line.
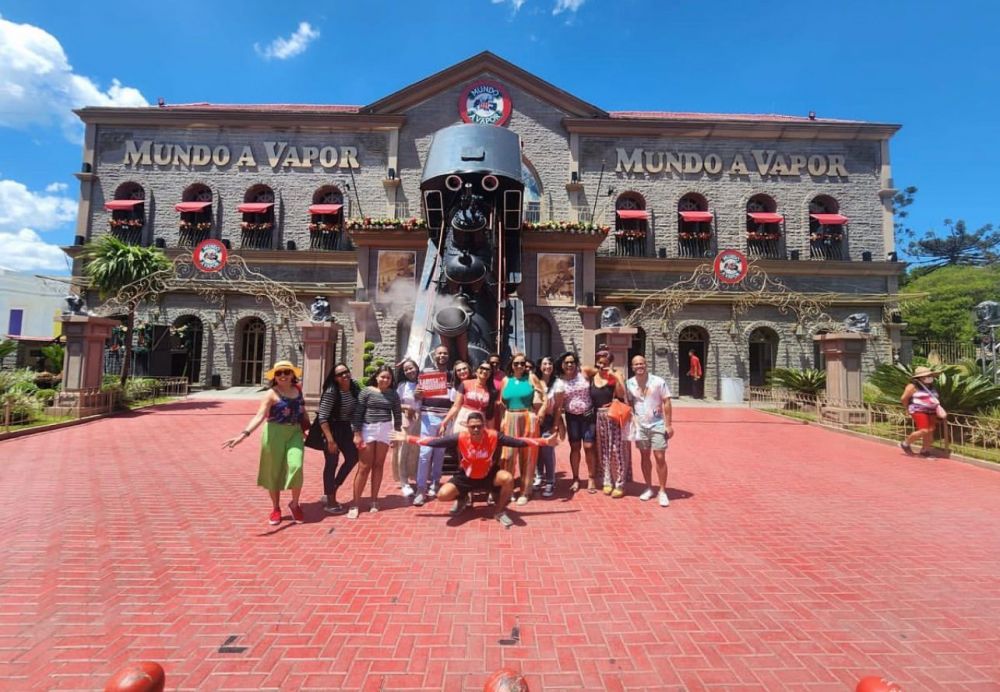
{"x":485,"y":103}
{"x":209,"y":255}
{"x":433,"y":383}
{"x":730,"y":266}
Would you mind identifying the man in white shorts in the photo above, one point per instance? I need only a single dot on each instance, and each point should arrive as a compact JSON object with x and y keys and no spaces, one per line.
{"x":649,"y":397}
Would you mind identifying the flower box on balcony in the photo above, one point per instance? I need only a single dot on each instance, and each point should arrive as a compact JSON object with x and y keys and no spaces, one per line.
{"x":694,"y":235}
{"x":630,"y":235}
{"x":763,"y":235}
{"x":369,"y":223}
{"x":566,"y":227}
{"x":195,"y":226}
{"x":251,"y":227}
{"x":126,"y":224}
{"x":826,"y":237}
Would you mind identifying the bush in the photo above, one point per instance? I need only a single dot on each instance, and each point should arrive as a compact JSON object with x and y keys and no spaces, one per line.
{"x":137,"y":388}
{"x":959,"y":393}
{"x":801,"y":381}
{"x":45,"y":396}
{"x":22,"y":381}
{"x":369,"y":346}
{"x":24,"y":407}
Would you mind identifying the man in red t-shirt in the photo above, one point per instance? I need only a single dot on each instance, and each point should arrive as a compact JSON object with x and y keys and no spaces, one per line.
{"x":477,"y":471}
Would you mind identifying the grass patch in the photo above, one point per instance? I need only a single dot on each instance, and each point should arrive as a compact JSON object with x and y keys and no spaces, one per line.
{"x":791,"y":413}
{"x":35,"y":422}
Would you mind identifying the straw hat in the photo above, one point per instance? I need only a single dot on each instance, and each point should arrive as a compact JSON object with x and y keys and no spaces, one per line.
{"x":283,"y":365}
{"x":923,"y":371}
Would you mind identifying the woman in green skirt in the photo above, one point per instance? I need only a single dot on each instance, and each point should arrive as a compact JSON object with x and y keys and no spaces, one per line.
{"x":284,"y":411}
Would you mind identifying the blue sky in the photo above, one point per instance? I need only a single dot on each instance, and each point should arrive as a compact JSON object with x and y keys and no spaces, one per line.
{"x":930,"y":66}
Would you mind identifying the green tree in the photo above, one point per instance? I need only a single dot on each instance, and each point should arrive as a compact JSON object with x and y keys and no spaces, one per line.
{"x":111,"y":264}
{"x":957,"y":247}
{"x":947,"y":313}
{"x":7,"y":346}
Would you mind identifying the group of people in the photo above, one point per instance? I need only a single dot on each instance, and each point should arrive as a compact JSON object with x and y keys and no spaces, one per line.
{"x":503,"y":423}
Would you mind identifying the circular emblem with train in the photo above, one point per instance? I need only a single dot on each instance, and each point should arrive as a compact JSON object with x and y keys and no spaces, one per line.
{"x":730,"y":266}
{"x":485,"y":103}
{"x":209,"y":255}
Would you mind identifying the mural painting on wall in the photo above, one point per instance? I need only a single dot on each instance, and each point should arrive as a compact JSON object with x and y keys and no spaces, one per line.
{"x":397,"y":274}
{"x":556,"y":279}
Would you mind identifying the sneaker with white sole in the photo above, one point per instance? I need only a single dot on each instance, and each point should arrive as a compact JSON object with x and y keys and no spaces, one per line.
{"x":432,"y":491}
{"x":504,"y":520}
{"x":537,"y":483}
{"x":419,"y":500}
{"x":523,"y":500}
{"x":407,"y":490}
{"x":353,"y":513}
{"x":647,"y":495}
{"x":548,"y":490}
{"x":664,"y":500}
{"x":460,"y":505}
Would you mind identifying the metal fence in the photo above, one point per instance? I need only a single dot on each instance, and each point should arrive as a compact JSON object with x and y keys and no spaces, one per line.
{"x":946,"y":351}
{"x":973,"y":436}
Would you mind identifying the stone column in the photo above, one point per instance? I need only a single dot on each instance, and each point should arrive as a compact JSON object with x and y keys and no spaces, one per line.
{"x":843,"y":351}
{"x":591,"y":318}
{"x":83,"y":367}
{"x":356,"y":360}
{"x":319,"y":353}
{"x":617,"y":340}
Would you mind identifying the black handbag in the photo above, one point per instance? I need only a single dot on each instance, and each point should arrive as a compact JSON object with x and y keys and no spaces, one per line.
{"x":315,"y":439}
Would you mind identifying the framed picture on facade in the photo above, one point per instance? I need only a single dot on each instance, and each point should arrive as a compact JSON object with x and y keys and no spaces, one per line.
{"x":556,"y":278}
{"x":397,"y":274}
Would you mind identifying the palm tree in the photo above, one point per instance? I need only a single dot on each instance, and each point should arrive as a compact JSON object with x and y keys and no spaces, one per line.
{"x":111,"y":264}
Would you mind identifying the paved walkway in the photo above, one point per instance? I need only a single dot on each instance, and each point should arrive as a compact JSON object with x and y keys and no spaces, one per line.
{"x":791,"y":557}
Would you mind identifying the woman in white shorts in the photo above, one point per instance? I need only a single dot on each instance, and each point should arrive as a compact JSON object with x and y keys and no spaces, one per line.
{"x":377,"y":414}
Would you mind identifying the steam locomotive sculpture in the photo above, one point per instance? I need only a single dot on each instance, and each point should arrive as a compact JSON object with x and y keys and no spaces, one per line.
{"x":472,"y":199}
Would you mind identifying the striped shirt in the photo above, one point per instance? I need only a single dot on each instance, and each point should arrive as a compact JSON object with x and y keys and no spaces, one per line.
{"x":345,"y":409}
{"x":924,"y":400}
{"x":376,"y":406}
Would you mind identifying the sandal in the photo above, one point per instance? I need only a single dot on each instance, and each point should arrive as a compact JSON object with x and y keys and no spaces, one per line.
{"x":591,"y":487}
{"x":576,"y":485}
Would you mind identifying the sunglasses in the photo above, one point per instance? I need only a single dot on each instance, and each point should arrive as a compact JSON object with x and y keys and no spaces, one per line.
{"x":518,"y":362}
{"x":484,"y":369}
{"x":342,"y":373}
{"x":283,"y":373}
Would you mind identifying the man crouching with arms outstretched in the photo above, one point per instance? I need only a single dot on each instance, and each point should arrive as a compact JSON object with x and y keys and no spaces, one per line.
{"x":476,"y":468}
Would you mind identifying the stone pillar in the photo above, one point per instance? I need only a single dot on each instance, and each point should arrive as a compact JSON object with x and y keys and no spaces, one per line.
{"x":618,"y":340}
{"x":591,"y":318}
{"x":83,"y":367}
{"x":319,"y":353}
{"x":843,"y":351}
{"x":356,"y":360}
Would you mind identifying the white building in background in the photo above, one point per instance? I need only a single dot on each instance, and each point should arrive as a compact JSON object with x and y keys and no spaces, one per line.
{"x":29,"y":306}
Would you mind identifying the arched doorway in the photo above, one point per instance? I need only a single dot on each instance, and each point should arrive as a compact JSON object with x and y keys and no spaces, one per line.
{"x":249,"y":368}
{"x":691,"y":339}
{"x":187,"y":335}
{"x":763,"y":354}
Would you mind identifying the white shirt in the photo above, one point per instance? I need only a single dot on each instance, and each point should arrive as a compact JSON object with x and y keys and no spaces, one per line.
{"x":406,"y":398}
{"x":648,"y":404}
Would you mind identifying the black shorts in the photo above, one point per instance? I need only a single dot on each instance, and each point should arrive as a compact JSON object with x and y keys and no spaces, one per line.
{"x":467,"y":485}
{"x":581,"y":426}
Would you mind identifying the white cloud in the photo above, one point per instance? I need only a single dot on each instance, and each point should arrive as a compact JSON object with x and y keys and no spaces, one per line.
{"x":283,"y":48}
{"x":21,"y":208}
{"x":515,"y":5}
{"x":25,"y":251}
{"x":56,"y":187}
{"x":38,"y":85}
{"x":567,"y":6}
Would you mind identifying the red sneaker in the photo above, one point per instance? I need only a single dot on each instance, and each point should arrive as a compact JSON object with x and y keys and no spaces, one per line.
{"x":298,"y":516}
{"x":275,"y":517}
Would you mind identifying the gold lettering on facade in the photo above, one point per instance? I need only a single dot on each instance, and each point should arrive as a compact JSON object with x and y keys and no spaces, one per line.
{"x":766,"y":162}
{"x":738,"y":166}
{"x":246,"y":158}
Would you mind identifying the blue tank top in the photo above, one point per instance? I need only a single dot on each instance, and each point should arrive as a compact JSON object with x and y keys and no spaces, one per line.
{"x":285,"y":410}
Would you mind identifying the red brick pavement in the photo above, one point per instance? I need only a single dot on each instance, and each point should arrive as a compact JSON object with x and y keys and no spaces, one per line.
{"x":790,"y":557}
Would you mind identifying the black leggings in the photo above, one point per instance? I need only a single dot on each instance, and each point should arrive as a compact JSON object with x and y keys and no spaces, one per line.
{"x":343,"y":435}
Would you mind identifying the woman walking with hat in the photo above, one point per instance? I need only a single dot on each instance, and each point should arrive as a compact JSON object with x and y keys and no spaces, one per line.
{"x":281,"y":445}
{"x":923,"y":403}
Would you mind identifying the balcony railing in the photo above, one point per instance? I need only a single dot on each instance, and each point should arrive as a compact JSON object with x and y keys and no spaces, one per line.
{"x":697,"y":246}
{"x":827,"y":244}
{"x":630,"y":246}
{"x":190,"y":234}
{"x":765,"y":248}
{"x":127,"y":230}
{"x":329,"y":239}
{"x":256,"y":236}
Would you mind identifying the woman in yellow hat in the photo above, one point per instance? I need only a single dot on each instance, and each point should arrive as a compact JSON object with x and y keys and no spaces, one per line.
{"x":922,"y":402}
{"x":281,"y":445}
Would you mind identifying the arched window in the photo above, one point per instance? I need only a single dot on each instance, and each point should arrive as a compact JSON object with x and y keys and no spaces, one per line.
{"x":249,"y":366}
{"x":764,"y":228}
{"x":195,"y":209}
{"x":537,"y":337}
{"x":826,"y":229}
{"x":257,"y":225}
{"x":326,"y":219}
{"x":694,"y":226}
{"x":631,"y":225}
{"x":185,"y":358}
{"x":532,"y":192}
{"x":763,"y":354}
{"x":128,"y":214}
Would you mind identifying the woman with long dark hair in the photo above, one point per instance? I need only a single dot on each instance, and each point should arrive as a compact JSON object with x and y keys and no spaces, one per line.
{"x":613,"y":448}
{"x":472,"y":394}
{"x":405,"y":455}
{"x":336,"y":411}
{"x":281,"y":445}
{"x":377,"y":414}
{"x":572,"y":397}
{"x":517,"y":396}
{"x":545,"y":474}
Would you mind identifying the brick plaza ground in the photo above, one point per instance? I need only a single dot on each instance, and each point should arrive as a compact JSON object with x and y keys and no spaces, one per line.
{"x":791,"y":557}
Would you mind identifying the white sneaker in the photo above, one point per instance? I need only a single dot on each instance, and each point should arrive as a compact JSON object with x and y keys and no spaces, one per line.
{"x":649,"y":494}
{"x":537,"y":483}
{"x":432,"y":491}
{"x":548,"y":491}
{"x":419,"y":500}
{"x":353,"y":513}
{"x":323,"y":499}
{"x":407,"y":490}
{"x":664,"y":500}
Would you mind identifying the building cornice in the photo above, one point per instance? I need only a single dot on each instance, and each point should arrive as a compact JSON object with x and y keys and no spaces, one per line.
{"x":714,"y":128}
{"x":178,"y":116}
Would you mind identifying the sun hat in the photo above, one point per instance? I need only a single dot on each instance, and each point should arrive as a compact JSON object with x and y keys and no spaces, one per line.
{"x":923,"y":371}
{"x":283,"y":365}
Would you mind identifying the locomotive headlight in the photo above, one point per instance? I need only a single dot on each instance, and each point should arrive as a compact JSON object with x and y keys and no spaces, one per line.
{"x":490,"y":183}
{"x":453,"y":183}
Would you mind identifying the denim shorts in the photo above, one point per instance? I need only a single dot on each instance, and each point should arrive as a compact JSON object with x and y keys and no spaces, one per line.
{"x":580,"y":427}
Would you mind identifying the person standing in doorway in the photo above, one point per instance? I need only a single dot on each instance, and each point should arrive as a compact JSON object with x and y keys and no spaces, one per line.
{"x":652,"y":416}
{"x":695,"y":372}
{"x":433,"y":410}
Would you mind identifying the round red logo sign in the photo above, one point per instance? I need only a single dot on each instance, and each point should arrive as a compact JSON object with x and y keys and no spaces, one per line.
{"x":730,"y":266}
{"x":209,"y":255}
{"x":485,"y":103}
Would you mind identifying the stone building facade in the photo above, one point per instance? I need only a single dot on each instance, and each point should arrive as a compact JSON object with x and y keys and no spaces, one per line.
{"x":304,"y":195}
